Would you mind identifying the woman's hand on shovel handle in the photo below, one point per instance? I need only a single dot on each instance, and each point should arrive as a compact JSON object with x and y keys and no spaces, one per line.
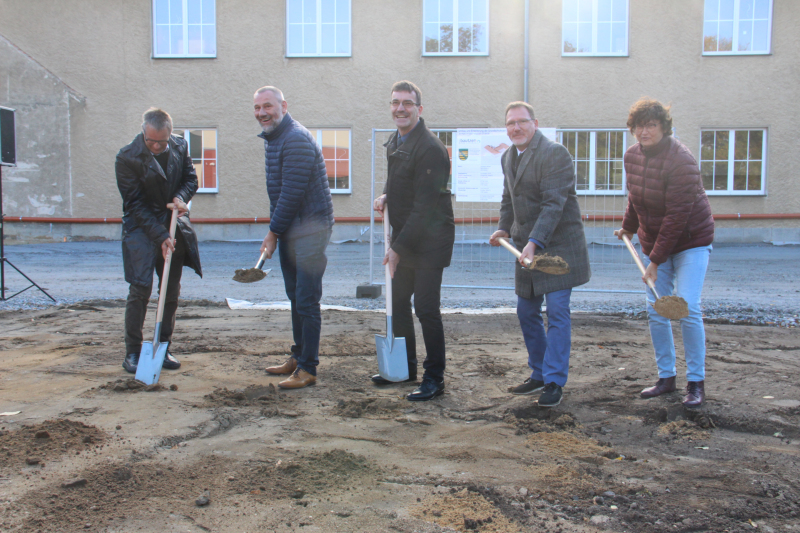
{"x":391,"y":258}
{"x":651,"y":273}
{"x":496,"y":235}
{"x":270,"y":244}
{"x":620,"y":232}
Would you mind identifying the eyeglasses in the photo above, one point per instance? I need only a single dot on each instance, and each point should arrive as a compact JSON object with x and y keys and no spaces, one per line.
{"x":650,"y":126}
{"x":521,"y":123}
{"x":408,"y":104}
{"x":154,"y":141}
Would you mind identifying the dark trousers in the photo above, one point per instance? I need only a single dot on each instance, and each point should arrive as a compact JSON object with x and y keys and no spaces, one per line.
{"x":425,"y":284}
{"x":139,"y":295}
{"x":303,"y":263}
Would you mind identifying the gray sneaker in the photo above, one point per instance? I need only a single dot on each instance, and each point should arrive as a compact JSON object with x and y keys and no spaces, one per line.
{"x":529,"y":386}
{"x":551,"y":396}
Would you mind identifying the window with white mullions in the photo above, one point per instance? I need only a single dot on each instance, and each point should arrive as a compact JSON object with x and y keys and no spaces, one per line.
{"x":598,"y":159}
{"x":317,"y":28}
{"x":594,"y":28}
{"x":184,"y":28}
{"x":203,"y":151}
{"x":733,"y":27}
{"x":732,"y":162}
{"x":335,"y":146}
{"x":455,"y":27}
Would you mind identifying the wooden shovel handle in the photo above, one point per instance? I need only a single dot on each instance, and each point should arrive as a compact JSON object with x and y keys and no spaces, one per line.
{"x":513,"y":249}
{"x":162,"y":295}
{"x":386,"y":241}
{"x":639,"y":263}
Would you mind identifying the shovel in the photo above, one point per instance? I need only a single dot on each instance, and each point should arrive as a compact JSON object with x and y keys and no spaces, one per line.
{"x":153,"y":353}
{"x":392,"y":355}
{"x":672,"y":307}
{"x":549,"y":264}
{"x":250,"y":275}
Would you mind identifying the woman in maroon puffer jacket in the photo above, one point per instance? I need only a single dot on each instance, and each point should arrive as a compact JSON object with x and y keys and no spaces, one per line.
{"x":668,"y":209}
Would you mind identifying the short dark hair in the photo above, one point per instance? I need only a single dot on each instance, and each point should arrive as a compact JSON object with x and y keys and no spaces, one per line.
{"x":647,"y":109}
{"x":407,"y":86}
{"x":158,"y":119}
{"x":526,"y":105}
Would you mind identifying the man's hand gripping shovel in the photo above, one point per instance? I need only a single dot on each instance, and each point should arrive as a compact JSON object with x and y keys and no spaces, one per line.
{"x":153,"y":353}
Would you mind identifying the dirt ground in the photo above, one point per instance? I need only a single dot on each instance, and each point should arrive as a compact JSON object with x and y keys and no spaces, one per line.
{"x":217,"y":447}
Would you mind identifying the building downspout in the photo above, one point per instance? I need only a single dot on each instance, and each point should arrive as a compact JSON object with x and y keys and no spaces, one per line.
{"x":527,"y":45}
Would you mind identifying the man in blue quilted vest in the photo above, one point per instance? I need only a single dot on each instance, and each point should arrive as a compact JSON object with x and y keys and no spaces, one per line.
{"x":301,"y":218}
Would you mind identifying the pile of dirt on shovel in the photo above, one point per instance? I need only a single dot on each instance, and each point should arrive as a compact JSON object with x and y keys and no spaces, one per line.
{"x":34,"y":445}
{"x":249,"y":275}
{"x":672,"y":307}
{"x":550,"y":264}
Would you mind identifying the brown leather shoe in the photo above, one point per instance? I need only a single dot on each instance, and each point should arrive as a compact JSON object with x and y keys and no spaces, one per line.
{"x":286,"y":368}
{"x":695,"y":394}
{"x":299,"y":379}
{"x":662,"y":386}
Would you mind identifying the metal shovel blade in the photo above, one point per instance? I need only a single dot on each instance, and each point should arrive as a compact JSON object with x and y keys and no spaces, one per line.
{"x":392,"y":355}
{"x":150,"y":362}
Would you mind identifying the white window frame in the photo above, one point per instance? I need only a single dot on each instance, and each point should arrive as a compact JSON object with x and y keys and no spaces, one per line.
{"x":731,"y":159}
{"x":185,"y":25}
{"x":318,"y":25}
{"x":735,"y":44}
{"x":455,"y":51}
{"x":318,"y":137}
{"x":592,"y":190}
{"x":594,"y":52}
{"x":186,"y":137}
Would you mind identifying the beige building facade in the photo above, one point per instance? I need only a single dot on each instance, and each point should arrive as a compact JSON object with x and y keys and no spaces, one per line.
{"x":80,"y":74}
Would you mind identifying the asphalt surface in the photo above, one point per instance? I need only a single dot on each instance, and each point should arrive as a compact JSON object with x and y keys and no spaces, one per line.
{"x":753,"y":284}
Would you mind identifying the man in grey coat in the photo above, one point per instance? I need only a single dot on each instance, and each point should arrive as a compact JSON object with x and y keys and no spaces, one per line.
{"x":540,"y":211}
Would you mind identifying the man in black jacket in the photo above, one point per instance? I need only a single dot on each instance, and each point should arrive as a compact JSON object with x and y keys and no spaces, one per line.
{"x":423,"y":231}
{"x":153,"y":171}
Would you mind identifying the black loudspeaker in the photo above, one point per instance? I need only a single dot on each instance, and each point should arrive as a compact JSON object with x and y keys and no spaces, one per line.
{"x":8,"y":143}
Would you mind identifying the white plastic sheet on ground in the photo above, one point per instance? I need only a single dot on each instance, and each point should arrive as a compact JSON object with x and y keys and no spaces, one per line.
{"x":286,"y":306}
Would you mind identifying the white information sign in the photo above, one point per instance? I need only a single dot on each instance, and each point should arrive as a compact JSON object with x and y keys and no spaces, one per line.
{"x":477,"y":172}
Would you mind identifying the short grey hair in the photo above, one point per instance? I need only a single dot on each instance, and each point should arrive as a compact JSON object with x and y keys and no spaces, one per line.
{"x":274,"y":90}
{"x":158,"y":119}
{"x":526,"y":105}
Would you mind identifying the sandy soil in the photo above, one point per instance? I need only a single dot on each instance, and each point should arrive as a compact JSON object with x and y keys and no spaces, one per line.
{"x":218,"y":448}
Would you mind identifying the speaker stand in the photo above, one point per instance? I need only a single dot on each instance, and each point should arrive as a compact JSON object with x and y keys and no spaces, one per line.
{"x":3,"y":259}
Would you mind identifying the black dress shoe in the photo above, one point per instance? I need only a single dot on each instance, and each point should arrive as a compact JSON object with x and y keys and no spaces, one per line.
{"x":428,"y":390}
{"x":170,"y":363}
{"x":377,"y":379}
{"x":131,"y":362}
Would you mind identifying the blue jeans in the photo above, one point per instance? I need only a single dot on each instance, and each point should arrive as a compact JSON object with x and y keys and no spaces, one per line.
{"x":303,"y":263}
{"x":548,"y":353}
{"x":685,"y":272}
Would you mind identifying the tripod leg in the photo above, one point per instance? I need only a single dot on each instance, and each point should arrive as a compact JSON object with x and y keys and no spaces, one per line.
{"x":33,"y":283}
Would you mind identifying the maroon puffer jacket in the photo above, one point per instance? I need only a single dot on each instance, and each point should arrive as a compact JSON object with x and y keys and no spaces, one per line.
{"x":667,"y":204}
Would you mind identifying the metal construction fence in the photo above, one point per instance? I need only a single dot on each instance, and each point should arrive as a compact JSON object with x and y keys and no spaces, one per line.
{"x":478,"y":265}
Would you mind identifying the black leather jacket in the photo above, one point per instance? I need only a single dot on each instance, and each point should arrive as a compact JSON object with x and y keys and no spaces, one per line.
{"x":145,"y":195}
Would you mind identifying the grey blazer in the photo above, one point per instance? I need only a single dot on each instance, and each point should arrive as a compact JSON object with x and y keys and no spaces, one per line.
{"x":539,"y":202}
